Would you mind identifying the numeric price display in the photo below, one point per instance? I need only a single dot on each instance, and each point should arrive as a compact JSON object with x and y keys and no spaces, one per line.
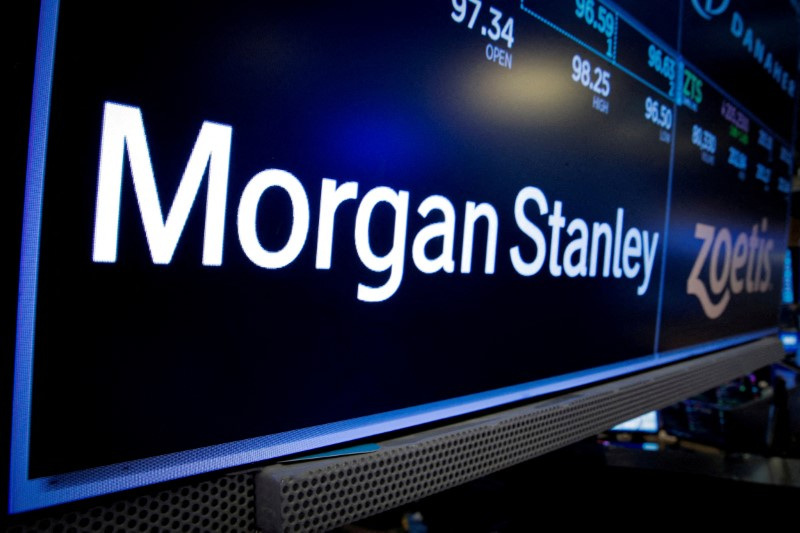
{"x":600,"y":18}
{"x":704,"y":139}
{"x":658,"y":113}
{"x":597,"y":80}
{"x":664,"y":65}
{"x":590,"y":22}
{"x":499,"y":28}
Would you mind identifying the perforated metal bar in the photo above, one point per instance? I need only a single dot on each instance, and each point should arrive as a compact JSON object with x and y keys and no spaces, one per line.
{"x":324,"y":494}
{"x":224,"y":504}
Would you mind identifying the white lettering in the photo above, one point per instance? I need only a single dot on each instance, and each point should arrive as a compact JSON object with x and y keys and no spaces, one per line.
{"x":248,"y":209}
{"x":331,"y":197}
{"x":394,"y":258}
{"x":600,"y":230}
{"x":444,"y":230}
{"x":627,"y":252}
{"x":631,"y":249}
{"x":557,"y":222}
{"x":578,"y":246}
{"x":471,"y":216}
{"x":649,"y":261}
{"x":523,"y":267}
{"x":123,"y":130}
{"x":617,"y":248}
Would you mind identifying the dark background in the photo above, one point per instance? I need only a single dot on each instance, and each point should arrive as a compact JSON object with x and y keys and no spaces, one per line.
{"x":717,"y":195}
{"x":134,"y":359}
{"x":710,"y":46}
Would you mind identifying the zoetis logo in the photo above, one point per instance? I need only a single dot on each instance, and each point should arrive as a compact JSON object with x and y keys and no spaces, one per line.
{"x":734,"y":266}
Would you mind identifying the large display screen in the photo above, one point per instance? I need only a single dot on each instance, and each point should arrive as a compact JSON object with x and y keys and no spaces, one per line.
{"x":253,"y":229}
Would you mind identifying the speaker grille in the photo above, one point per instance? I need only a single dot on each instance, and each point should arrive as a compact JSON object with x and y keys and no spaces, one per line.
{"x":222,"y":504}
{"x":321,"y":495}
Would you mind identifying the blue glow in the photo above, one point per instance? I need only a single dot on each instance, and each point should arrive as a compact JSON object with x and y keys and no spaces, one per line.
{"x":365,"y":136}
{"x":29,"y":254}
{"x":789,"y":340}
{"x":664,"y":242}
{"x":650,"y":446}
{"x":788,"y":292}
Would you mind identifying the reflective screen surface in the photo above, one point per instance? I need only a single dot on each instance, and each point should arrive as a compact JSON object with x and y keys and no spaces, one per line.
{"x":255,"y":229}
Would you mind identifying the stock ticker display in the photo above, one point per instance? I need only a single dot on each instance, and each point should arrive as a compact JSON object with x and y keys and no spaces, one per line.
{"x":259,"y":228}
